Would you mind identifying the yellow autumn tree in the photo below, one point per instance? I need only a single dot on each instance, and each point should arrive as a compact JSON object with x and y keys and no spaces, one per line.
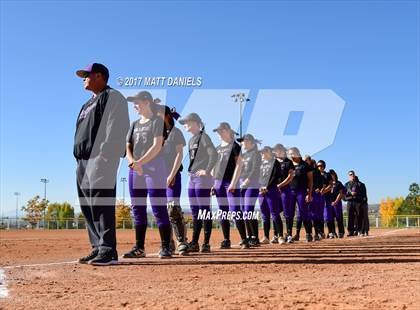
{"x":388,"y":209}
{"x":123,"y":215}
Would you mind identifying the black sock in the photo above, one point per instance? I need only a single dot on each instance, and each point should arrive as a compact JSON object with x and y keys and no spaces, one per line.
{"x":266,"y":226}
{"x":329,"y":225}
{"x":208,"y":225}
{"x":140,"y":235}
{"x":298,"y":225}
{"x":197,"y":224}
{"x":240,"y":224}
{"x":276,"y":224}
{"x":289,"y":226}
{"x":255,"y":224}
{"x":308,"y":227}
{"x":165,"y":235}
{"x":275,"y":229}
{"x":249,"y":228}
{"x":225,"y":229}
{"x":316,"y":226}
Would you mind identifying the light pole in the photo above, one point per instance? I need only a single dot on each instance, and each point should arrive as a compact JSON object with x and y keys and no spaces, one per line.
{"x":45,"y":181}
{"x":17,"y":194}
{"x":242,"y":99}
{"x":123,"y":181}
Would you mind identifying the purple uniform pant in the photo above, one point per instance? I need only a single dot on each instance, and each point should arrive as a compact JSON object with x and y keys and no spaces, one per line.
{"x":227,"y":201}
{"x":338,"y":211}
{"x":199,"y":194}
{"x":288,"y":208}
{"x":249,"y":197}
{"x":270,"y":204}
{"x":151,"y":183}
{"x":298,"y":196}
{"x":328,"y":210}
{"x":174,"y":192}
{"x":317,"y":207}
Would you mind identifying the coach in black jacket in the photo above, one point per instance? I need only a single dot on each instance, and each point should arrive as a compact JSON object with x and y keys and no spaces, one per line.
{"x":99,"y":142}
{"x":354,"y":198}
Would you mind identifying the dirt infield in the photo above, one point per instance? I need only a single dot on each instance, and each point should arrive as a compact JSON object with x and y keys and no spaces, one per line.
{"x":377,"y":272}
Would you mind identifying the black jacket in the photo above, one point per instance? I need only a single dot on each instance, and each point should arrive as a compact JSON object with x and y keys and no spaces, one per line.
{"x":102,"y":126}
{"x":358,"y":188}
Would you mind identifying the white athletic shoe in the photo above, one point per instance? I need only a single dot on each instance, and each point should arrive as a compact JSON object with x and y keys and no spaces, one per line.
{"x":264,"y":241}
{"x":274,"y":240}
{"x":289,"y":239}
{"x":281,"y":240}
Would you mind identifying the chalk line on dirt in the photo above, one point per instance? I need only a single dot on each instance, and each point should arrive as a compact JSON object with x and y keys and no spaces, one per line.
{"x":3,"y":285}
{"x":58,"y":263}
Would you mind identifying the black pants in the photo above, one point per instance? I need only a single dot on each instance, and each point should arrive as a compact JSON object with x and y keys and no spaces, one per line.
{"x":359,"y":217}
{"x":352,"y":215}
{"x":96,"y":190}
{"x":365,"y":218}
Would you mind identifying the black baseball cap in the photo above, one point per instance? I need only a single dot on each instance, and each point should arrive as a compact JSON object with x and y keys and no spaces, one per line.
{"x":93,"y":68}
{"x":248,"y":137}
{"x":191,"y":117}
{"x":143,"y":95}
{"x":224,"y":126}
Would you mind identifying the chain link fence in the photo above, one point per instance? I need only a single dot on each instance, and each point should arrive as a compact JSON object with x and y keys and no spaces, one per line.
{"x":398,"y":221}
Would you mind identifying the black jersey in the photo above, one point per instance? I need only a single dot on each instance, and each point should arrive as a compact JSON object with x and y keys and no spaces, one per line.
{"x":300,"y":180}
{"x":337,"y":188}
{"x":226,"y":161}
{"x":285,"y":166}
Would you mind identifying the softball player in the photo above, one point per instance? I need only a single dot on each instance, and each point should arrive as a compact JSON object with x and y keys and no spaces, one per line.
{"x":269,"y":195}
{"x":301,"y":189}
{"x":173,"y":153}
{"x":286,"y":175}
{"x":203,"y":157}
{"x":226,"y":175}
{"x":147,"y":174}
{"x":326,"y":193}
{"x":337,"y":194}
{"x":318,"y":202}
{"x":249,"y":185}
{"x":316,"y":206}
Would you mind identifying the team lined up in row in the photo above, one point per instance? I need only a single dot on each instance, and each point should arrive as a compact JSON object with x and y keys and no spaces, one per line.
{"x":238,"y":175}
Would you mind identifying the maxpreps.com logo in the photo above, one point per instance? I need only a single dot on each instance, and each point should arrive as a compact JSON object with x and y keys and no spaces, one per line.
{"x":228,"y":215}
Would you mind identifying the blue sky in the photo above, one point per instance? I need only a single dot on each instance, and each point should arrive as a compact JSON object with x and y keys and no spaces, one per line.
{"x":366,"y":52}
